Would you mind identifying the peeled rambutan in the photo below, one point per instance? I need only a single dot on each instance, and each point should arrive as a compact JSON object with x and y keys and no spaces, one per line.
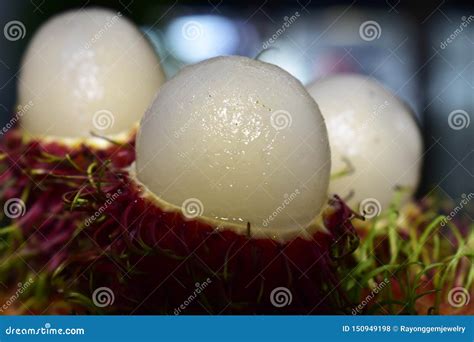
{"x":375,"y":140}
{"x":154,"y":260}
{"x":80,"y":98}
{"x":225,"y":209}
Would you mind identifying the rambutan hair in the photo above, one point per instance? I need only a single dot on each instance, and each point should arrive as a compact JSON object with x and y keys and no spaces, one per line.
{"x":38,"y":174}
{"x":155,"y":261}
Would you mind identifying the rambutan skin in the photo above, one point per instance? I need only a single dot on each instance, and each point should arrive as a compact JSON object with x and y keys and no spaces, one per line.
{"x":155,"y":262}
{"x":41,"y":174}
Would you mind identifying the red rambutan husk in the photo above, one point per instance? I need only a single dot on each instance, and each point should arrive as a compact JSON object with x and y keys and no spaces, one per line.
{"x":153,"y":260}
{"x":40,"y":174}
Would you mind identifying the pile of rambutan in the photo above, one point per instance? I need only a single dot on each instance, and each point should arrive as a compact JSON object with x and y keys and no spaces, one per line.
{"x":219,"y":202}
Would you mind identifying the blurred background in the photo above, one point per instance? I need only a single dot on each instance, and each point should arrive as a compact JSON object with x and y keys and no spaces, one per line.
{"x":422,"y":50}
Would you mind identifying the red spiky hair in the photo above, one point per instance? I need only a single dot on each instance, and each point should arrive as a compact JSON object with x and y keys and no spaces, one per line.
{"x":154,"y":261}
{"x":40,"y":174}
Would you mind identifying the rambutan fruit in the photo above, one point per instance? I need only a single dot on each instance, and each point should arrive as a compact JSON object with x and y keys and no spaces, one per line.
{"x":410,"y":261}
{"x":225,"y":209}
{"x":376,"y":145}
{"x":86,"y":79}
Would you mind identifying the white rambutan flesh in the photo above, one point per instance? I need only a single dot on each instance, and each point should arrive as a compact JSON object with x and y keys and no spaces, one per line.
{"x":88,"y":70}
{"x":238,"y":141}
{"x":373,"y":136}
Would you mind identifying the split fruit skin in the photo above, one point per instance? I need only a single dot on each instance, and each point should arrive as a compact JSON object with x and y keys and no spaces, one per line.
{"x":43,"y":175}
{"x":154,"y":261}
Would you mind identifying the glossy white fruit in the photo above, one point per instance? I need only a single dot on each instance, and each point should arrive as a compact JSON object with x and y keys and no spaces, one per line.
{"x":374,"y":133}
{"x":88,"y":70}
{"x":237,"y":140}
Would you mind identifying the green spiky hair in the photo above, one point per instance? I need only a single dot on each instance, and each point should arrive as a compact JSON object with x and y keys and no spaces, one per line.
{"x":412,"y":260}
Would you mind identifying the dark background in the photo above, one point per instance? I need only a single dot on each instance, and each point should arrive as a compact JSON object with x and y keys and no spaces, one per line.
{"x":408,"y":57}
